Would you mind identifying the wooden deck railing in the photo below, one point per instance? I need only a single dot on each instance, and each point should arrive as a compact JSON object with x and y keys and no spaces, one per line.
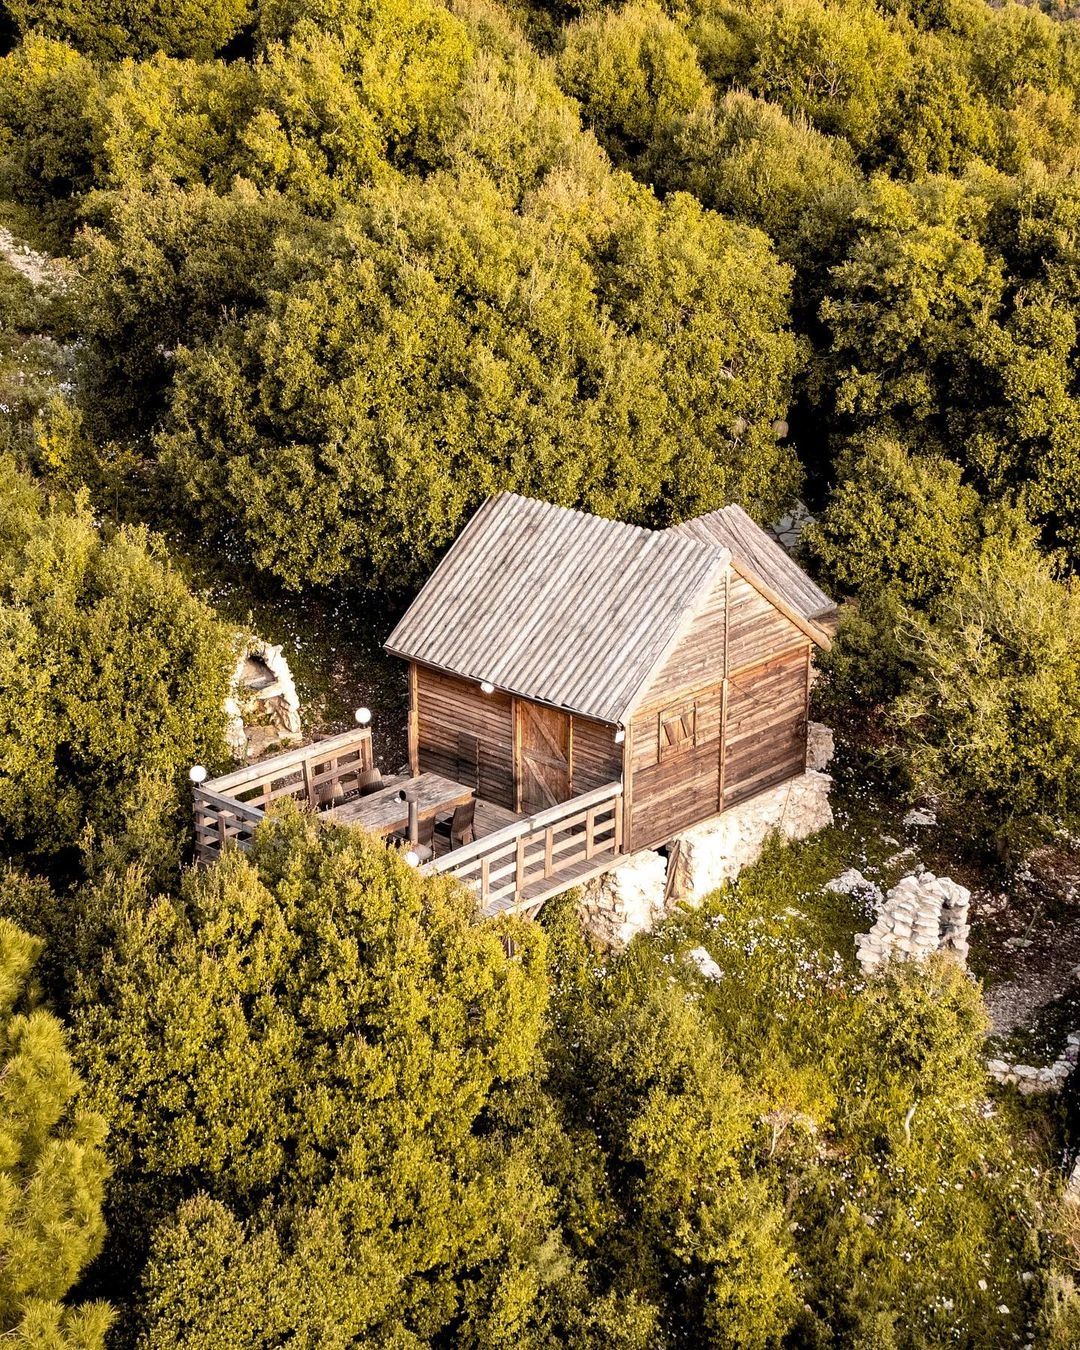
{"x":517,"y":864}
{"x":228,"y":808}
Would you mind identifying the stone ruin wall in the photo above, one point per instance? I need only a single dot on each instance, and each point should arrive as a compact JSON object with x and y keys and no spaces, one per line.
{"x":921,"y":915}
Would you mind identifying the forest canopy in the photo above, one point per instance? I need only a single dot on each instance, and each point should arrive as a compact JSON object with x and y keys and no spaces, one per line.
{"x":333,"y":272}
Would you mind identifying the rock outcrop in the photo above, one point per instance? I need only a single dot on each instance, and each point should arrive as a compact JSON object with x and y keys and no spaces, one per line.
{"x":263,"y":705}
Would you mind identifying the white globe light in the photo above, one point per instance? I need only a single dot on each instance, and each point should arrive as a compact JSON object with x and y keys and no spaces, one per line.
{"x":487,"y":687}
{"x":197,"y":773}
{"x":363,"y":716}
{"x":412,"y":858}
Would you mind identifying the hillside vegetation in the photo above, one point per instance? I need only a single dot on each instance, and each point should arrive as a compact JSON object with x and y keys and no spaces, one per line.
{"x":332,"y":272}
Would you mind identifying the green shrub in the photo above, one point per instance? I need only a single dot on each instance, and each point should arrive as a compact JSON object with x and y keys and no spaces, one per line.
{"x":110,"y":670}
{"x":991,"y":720}
{"x":899,"y":521}
{"x":350,"y":1041}
{"x":52,"y":1173}
{"x":634,"y":72}
{"x":113,"y":28}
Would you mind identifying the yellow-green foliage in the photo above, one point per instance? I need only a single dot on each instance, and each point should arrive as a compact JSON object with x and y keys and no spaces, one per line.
{"x":109,"y":669}
{"x":577,"y":350}
{"x":110,"y":28}
{"x":992,"y":713}
{"x":899,"y":521}
{"x":52,"y":1169}
{"x":912,"y":1211}
{"x":306,"y":1059}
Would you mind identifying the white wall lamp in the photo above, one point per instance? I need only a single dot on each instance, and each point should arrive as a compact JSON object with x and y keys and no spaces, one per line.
{"x":486,"y":687}
{"x":363,"y":716}
{"x":197,"y":774}
{"x":620,"y":735}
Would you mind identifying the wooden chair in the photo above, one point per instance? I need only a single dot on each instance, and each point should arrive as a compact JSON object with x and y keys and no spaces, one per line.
{"x":459,"y":829}
{"x":424,"y":848}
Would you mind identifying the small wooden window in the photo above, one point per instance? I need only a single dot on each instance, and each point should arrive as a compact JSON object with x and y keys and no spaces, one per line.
{"x":678,"y":730}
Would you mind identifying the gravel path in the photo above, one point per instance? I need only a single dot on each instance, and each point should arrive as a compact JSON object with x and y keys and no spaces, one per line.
{"x":1036,"y":960}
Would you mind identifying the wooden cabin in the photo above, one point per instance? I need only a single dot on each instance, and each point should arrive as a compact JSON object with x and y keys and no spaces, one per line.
{"x":553,"y":653}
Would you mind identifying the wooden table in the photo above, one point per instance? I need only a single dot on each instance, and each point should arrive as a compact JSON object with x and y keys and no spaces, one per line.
{"x":384,"y":812}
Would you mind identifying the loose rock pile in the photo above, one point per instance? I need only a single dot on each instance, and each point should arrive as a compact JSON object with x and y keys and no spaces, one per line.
{"x":1029,"y":1079}
{"x":922,"y":914}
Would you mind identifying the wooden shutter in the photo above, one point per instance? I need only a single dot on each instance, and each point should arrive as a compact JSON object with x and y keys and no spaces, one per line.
{"x":678,"y":730}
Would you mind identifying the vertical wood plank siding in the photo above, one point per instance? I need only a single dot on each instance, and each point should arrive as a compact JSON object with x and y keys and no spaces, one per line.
{"x":448,"y":708}
{"x":765,"y":735}
{"x":697,"y":657}
{"x":766,"y":726}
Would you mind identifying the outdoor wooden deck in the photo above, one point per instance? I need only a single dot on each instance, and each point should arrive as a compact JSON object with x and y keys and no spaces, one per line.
{"x":516,"y":868}
{"x":515,"y":863}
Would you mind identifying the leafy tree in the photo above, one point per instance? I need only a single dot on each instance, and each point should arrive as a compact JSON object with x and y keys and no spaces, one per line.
{"x":688,"y":1226}
{"x":991,"y":720}
{"x":634,"y":72}
{"x":169,"y":267}
{"x":52,"y":1169}
{"x":350,"y":1041}
{"x":743,"y":157}
{"x":943,"y":122}
{"x":912,"y":1213}
{"x":446,"y":346}
{"x":906,"y":522}
{"x":177,"y":120}
{"x":840,"y":65}
{"x":336,"y":105}
{"x":113,"y":28}
{"x":110,"y":670}
{"x":929,"y":332}
{"x":915,"y":285}
{"x":48,"y":125}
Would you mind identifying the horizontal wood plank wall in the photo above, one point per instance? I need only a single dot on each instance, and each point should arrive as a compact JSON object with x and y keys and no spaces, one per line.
{"x":448,"y":708}
{"x":766,"y":725}
{"x":596,"y":758}
{"x":757,"y":631}
{"x":697,"y":658}
{"x":672,"y":794}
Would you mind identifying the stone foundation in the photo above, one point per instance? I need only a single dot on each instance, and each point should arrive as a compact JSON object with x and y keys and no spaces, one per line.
{"x":922,"y":914}
{"x":632,"y":897}
{"x":627,"y":900}
{"x":717,"y":851}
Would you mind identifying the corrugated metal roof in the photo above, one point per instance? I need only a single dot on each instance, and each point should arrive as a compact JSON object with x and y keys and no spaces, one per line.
{"x":555,"y":605}
{"x":732,"y":528}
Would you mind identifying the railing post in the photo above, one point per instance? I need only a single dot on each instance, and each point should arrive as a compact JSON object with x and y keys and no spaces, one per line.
{"x":485,"y":879}
{"x":549,"y":839}
{"x":519,"y":867}
{"x":305,"y":769}
{"x":617,"y":813}
{"x":590,"y":831}
{"x":223,"y":832}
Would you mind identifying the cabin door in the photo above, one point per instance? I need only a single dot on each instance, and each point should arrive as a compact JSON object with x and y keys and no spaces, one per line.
{"x":543,"y":737}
